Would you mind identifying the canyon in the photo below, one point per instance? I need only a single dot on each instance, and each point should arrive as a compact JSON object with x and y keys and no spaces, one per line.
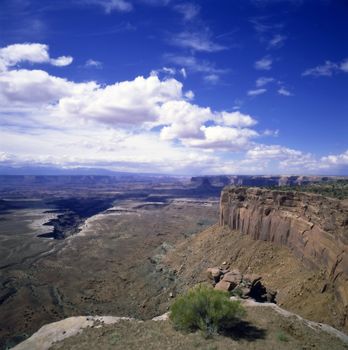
{"x":144,"y":243}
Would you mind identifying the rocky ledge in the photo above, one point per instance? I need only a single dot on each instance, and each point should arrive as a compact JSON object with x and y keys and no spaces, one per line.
{"x":244,"y":286}
{"x":314,"y":227}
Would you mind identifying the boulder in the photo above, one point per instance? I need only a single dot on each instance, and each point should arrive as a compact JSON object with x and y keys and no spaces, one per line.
{"x":271,"y":296}
{"x":233,"y":276}
{"x":244,"y":292}
{"x":214,"y":273}
{"x":245,"y":286}
{"x":251,"y":279}
{"x":224,"y":285}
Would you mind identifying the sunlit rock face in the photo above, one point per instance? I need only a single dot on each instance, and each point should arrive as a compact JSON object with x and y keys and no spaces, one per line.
{"x":314,"y":227}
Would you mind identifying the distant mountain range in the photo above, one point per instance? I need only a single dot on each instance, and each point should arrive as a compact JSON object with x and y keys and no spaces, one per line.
{"x":43,"y":170}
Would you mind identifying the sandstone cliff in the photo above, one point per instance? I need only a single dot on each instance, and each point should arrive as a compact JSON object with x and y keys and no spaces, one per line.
{"x":314,"y":227}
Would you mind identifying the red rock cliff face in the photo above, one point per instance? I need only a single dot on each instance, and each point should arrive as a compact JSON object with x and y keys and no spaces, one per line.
{"x":315,"y":228}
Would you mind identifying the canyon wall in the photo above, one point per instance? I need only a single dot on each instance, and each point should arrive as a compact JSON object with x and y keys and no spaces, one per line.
{"x":261,"y":180}
{"x":314,"y":227}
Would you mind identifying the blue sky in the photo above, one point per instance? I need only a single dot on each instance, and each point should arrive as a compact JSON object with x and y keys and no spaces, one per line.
{"x":179,"y":87}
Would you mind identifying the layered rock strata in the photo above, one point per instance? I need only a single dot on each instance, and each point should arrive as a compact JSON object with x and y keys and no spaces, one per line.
{"x":314,"y":227}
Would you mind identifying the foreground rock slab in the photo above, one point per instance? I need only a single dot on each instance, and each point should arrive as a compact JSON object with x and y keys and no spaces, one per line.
{"x":58,"y":331}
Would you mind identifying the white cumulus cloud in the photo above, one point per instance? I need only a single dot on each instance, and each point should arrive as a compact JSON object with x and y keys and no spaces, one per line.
{"x":15,"y":54}
{"x":272,"y":152}
{"x":137,"y":105}
{"x":127,"y":102}
{"x":223,"y":137}
{"x":32,"y":87}
{"x":144,"y":124}
{"x":238,"y":119}
{"x":338,"y":159}
{"x":61,"y":61}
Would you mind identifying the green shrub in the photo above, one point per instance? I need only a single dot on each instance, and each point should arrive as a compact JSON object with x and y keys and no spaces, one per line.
{"x":206,"y":309}
{"x":237,"y":292}
{"x":282,"y":337}
{"x":114,"y":338}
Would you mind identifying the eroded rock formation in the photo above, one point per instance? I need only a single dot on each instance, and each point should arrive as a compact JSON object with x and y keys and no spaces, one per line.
{"x":314,"y":227}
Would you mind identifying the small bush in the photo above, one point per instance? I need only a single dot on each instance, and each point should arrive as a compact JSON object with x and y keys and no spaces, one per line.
{"x":206,"y":309}
{"x":237,"y":292}
{"x":114,"y":338}
{"x":282,"y":337}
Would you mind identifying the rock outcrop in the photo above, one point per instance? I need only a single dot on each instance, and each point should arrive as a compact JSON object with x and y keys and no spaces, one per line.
{"x":245,"y":286}
{"x":314,"y":227}
{"x":60,"y":330}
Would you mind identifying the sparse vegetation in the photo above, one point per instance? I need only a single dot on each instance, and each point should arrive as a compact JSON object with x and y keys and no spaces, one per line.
{"x":335,"y":189}
{"x":114,"y":338}
{"x":237,"y":292}
{"x":281,"y":336}
{"x":206,"y":309}
{"x":204,"y":222}
{"x":257,"y":330}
